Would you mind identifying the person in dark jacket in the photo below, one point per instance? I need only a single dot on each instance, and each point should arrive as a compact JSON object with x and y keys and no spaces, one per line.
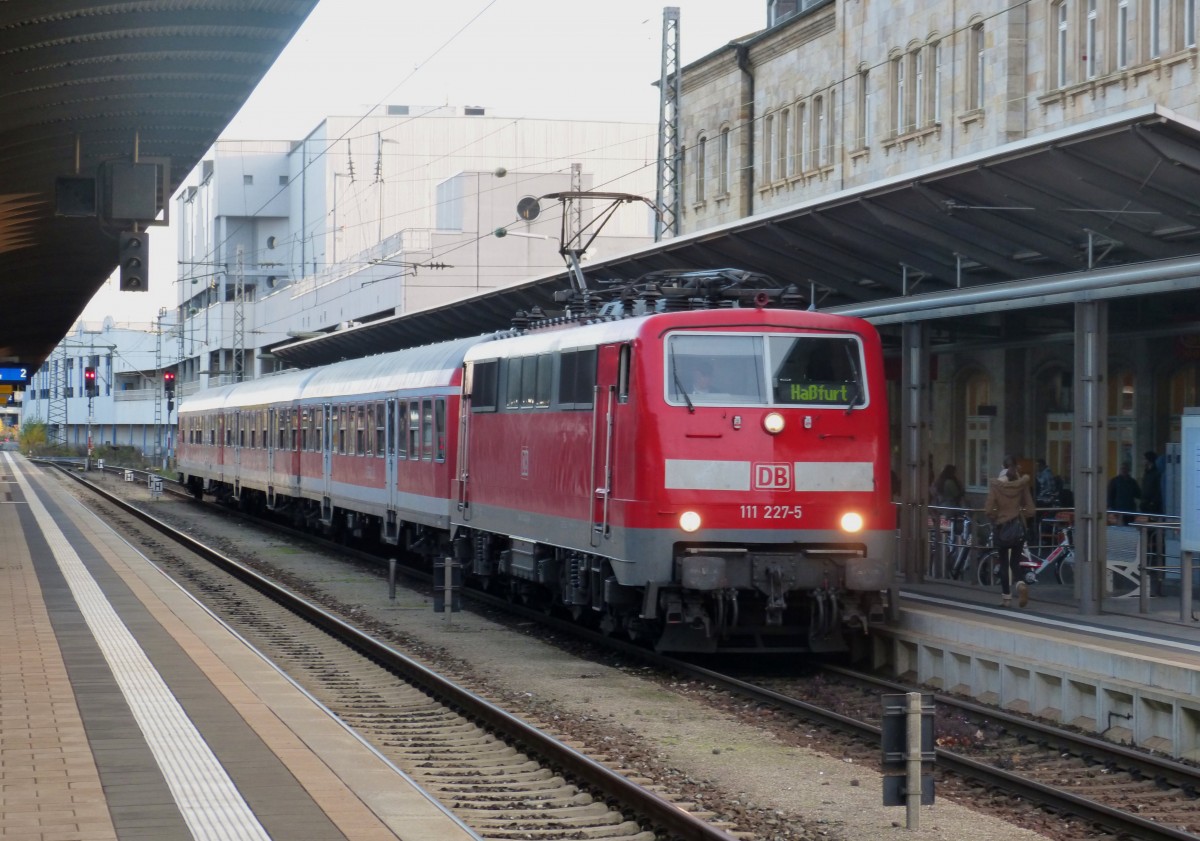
{"x":1009,"y":499}
{"x":1123,"y":493}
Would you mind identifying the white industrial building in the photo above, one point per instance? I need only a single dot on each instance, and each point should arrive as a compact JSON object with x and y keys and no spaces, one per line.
{"x":371,"y":217}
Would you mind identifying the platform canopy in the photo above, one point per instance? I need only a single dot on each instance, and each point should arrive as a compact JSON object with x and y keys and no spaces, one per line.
{"x":1075,"y":203}
{"x":88,"y":89}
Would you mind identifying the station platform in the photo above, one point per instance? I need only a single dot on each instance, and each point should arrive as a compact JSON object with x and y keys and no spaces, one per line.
{"x":1129,"y":676}
{"x":128,"y":711}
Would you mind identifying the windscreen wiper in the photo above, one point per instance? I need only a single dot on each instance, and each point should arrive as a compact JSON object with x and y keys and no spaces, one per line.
{"x":679,"y":385}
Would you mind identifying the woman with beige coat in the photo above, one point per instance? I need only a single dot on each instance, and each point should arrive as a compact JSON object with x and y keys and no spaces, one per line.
{"x":1009,"y":500}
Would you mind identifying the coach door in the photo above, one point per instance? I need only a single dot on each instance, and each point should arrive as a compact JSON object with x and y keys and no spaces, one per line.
{"x":603,"y":407}
{"x":327,"y":427}
{"x":237,"y":426}
{"x":391,"y":528}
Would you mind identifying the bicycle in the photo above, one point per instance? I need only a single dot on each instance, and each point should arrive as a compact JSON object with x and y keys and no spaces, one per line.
{"x":1061,"y":558}
{"x":954,"y":553}
{"x":962,"y":550}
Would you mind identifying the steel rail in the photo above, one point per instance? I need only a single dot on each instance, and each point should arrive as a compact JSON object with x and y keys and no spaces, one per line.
{"x":656,"y":810}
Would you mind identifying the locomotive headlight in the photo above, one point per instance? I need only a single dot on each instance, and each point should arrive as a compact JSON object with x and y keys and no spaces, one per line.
{"x":852,"y":522}
{"x":773,"y":423}
{"x":689,"y":521}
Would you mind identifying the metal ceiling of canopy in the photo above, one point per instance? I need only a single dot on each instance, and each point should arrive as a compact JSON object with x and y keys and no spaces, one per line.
{"x":1112,"y":193}
{"x":84,"y":85}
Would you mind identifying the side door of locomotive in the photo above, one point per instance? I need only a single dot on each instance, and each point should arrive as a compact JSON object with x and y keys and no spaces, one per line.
{"x":604,"y":405}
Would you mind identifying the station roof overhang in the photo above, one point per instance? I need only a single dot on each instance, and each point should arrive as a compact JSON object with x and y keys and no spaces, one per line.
{"x":1102,"y":206}
{"x":87,"y":83}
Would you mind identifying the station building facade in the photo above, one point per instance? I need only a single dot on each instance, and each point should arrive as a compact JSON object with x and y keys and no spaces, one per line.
{"x":838,"y":95}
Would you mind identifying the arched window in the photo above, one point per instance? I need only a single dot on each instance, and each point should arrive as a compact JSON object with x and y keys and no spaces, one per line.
{"x":787,"y":155}
{"x":805,"y":136}
{"x":1183,"y":390}
{"x":980,"y":414}
{"x":820,"y":143}
{"x":864,"y":108}
{"x":1154,"y":28}
{"x":701,"y":166}
{"x":1054,"y":406}
{"x":724,"y":162}
{"x":1091,"y":39}
{"x":1122,"y":401}
{"x":769,"y":149}
{"x":975,"y":67}
{"x":918,"y":86}
{"x":936,"y":111}
{"x":1061,"y":43}
{"x":899,"y":96}
{"x":1121,"y":35}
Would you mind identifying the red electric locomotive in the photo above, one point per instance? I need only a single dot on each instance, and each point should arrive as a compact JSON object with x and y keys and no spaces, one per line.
{"x":710,"y":479}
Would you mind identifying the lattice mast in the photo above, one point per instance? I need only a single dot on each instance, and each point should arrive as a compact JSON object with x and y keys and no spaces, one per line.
{"x":670,"y":153}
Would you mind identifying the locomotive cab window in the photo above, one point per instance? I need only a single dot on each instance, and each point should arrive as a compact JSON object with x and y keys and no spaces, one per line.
{"x":817,"y":371}
{"x":756,"y":370}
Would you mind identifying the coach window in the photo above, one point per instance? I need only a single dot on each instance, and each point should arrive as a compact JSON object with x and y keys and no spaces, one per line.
{"x":427,"y":429}
{"x":263,"y":439}
{"x":414,"y":429}
{"x":400,"y":431}
{"x":380,"y":429}
{"x":483,"y":385}
{"x":439,"y":419}
{"x":360,"y":431}
{"x":318,"y":416}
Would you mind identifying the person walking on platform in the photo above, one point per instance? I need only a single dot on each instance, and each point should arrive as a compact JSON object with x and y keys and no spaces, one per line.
{"x":1009,"y":504}
{"x":947,"y":489}
{"x":1123,"y":493}
{"x":1047,"y":486}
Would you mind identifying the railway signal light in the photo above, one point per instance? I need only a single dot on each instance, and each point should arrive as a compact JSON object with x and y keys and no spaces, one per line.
{"x":169,"y":388}
{"x":89,"y":381}
{"x":134,"y":259}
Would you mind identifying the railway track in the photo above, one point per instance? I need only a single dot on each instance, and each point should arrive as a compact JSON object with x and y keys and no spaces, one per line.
{"x":503,"y":776}
{"x":1092,"y":787}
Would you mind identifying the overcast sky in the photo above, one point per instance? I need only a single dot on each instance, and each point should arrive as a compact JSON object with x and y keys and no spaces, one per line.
{"x":516,"y":58}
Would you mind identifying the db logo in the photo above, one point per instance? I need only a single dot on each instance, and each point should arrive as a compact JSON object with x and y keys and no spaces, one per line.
{"x":772,"y":477}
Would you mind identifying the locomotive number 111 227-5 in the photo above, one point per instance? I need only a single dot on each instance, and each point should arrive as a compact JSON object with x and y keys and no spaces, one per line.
{"x":771,"y":512}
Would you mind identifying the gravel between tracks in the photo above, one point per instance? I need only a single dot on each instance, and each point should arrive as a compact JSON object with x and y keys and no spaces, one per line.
{"x":779,"y":787}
